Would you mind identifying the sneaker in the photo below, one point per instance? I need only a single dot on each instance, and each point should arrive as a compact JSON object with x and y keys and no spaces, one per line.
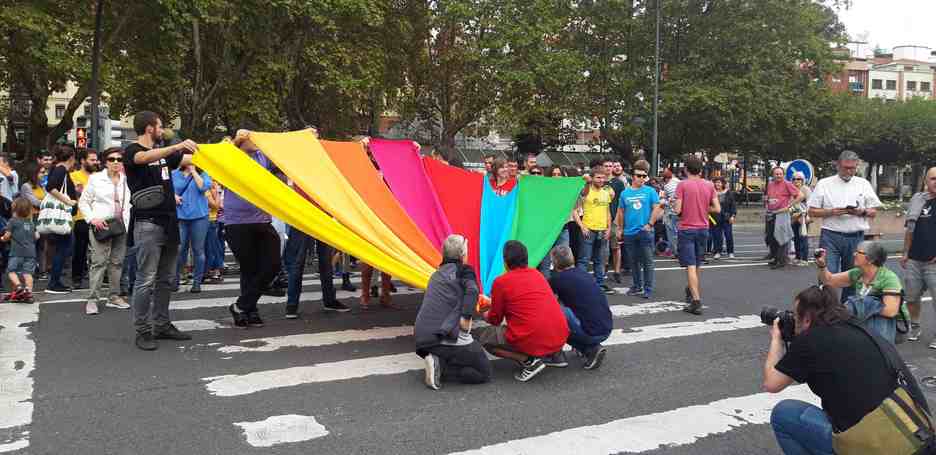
{"x":292,"y":311}
{"x":616,"y":277}
{"x":646,"y":295}
{"x":633,"y":292}
{"x":170,"y":332}
{"x":80,"y":284}
{"x":433,"y":372}
{"x":932,"y":345}
{"x":336,"y":306}
{"x":346,"y":283}
{"x":25,"y":296}
{"x":253,"y":319}
{"x":57,"y":289}
{"x":13,"y":296}
{"x":196,"y":289}
{"x":694,"y":308}
{"x":240,"y":319}
{"x":274,"y":291}
{"x":717,"y":256}
{"x":731,"y":255}
{"x":91,"y":307}
{"x":557,"y":360}
{"x":117,"y":302}
{"x":146,"y":342}
{"x":607,"y":290}
{"x":532,"y":367}
{"x":916,"y":330}
{"x":594,"y":359}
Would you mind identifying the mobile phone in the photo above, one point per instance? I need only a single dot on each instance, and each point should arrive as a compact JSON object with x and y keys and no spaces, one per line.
{"x":851,"y":207}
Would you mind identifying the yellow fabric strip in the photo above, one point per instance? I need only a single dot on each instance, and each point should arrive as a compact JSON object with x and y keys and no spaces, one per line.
{"x":239,"y":173}
{"x":301,"y":156}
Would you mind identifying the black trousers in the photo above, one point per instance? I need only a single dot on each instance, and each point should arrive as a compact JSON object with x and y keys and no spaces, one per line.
{"x":257,"y":249}
{"x":466,"y":364}
{"x":80,"y":252}
{"x":777,"y":251}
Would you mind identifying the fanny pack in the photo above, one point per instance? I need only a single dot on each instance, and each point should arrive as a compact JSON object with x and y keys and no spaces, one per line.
{"x":900,"y":425}
{"x":148,"y":198}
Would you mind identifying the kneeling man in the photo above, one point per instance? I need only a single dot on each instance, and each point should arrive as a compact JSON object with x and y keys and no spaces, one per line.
{"x":536,"y":326}
{"x":443,"y":325}
{"x":585,"y":307}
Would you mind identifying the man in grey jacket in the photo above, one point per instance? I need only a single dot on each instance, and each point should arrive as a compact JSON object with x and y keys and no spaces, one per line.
{"x":443,"y":325}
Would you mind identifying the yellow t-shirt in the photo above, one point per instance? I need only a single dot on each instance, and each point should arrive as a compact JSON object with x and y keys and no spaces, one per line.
{"x":80,"y":179}
{"x":596,"y":207}
{"x":40,"y":194}
{"x":212,"y":212}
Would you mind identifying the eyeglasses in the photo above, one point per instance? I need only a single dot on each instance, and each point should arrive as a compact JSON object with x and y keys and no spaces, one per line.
{"x":114,"y":160}
{"x":860,"y":252}
{"x":641,"y":176}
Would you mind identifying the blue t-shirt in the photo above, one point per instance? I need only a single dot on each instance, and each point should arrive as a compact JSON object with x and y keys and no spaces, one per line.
{"x":578,"y":291}
{"x":638,"y":205}
{"x":194,"y":203}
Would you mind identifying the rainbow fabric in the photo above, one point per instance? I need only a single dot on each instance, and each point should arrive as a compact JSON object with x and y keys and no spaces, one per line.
{"x":394,"y":219}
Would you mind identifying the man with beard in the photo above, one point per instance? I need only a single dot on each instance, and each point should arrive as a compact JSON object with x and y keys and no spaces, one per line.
{"x":88,"y":163}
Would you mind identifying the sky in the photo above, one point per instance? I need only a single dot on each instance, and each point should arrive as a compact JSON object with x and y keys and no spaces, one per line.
{"x":890,"y":23}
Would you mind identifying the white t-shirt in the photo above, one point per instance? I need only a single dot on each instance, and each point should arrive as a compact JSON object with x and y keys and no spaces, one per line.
{"x":835,"y":193}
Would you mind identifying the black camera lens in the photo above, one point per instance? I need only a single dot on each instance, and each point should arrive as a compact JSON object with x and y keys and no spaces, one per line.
{"x":787,"y":321}
{"x":768,"y":314}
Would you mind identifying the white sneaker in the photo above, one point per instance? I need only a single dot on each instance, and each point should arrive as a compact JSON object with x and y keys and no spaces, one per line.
{"x":433,"y":372}
{"x":717,"y":255}
{"x":115,"y":301}
{"x":731,"y":255}
{"x":91,"y":307}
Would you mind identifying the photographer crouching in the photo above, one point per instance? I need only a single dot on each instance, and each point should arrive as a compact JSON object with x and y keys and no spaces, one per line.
{"x":860,"y":379}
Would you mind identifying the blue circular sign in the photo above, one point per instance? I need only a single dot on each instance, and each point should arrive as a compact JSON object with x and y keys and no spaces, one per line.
{"x":801,"y":166}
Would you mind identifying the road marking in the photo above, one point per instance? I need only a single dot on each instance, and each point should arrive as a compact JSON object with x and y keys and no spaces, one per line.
{"x":17,"y":360}
{"x":192,"y":325}
{"x":282,"y":429}
{"x":245,"y":384}
{"x":653,"y":431}
{"x":308,"y":340}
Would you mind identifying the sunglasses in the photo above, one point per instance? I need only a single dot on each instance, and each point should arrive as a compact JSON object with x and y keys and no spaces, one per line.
{"x":860,"y":252}
{"x":797,"y":179}
{"x":536,"y":173}
{"x":641,"y":176}
{"x":114,"y":160}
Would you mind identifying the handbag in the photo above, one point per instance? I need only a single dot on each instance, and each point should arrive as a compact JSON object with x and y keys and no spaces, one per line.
{"x":900,"y":425}
{"x":115,"y":225}
{"x":54,"y":216}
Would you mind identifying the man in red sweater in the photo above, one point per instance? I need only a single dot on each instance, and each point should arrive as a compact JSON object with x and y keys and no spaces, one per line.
{"x":536,"y":326}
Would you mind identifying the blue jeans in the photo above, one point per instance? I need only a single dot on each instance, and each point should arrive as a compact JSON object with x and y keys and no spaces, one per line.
{"x":671,"y":223}
{"x":578,"y":339}
{"x":192,"y":232}
{"x":63,"y":246}
{"x":294,"y":258}
{"x":547,"y":261}
{"x":128,"y":274}
{"x":800,"y":242}
{"x":801,"y":428}
{"x":594,"y":248}
{"x":867,"y":310}
{"x":840,"y":253}
{"x":640,"y":249}
{"x":723,"y":237}
{"x":214,"y":248}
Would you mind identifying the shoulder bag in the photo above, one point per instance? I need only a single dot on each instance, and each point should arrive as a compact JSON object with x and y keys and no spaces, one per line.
{"x":115,"y":224}
{"x":900,"y":425}
{"x":55,"y":217}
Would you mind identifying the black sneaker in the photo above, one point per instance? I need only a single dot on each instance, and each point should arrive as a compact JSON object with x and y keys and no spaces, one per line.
{"x":146,"y":342}
{"x":240,"y":319}
{"x":170,"y":332}
{"x":594,"y":359}
{"x":336,"y":306}
{"x":346,"y":283}
{"x":57,"y":289}
{"x":532,"y":367}
{"x":433,"y":377}
{"x":292,"y":311}
{"x":557,"y":360}
{"x":694,"y":308}
{"x":274,"y":291}
{"x":607,"y":290}
{"x":253,"y":319}
{"x":633,"y":292}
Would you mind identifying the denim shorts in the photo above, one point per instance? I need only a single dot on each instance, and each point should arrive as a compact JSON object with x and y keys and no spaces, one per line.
{"x":692,"y":244}
{"x":21,"y":265}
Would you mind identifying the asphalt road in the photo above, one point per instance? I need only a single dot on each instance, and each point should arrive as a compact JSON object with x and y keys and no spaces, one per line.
{"x":672,"y":383}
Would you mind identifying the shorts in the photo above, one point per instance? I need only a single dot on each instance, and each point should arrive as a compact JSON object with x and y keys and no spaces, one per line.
{"x":493,"y":337}
{"x":918,"y":277}
{"x":21,"y":265}
{"x":692,"y":243}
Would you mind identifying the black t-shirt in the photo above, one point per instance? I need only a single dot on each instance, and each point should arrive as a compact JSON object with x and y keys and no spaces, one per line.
{"x":141,"y":176}
{"x":923,"y":247}
{"x":844,"y":367}
{"x":59,"y":175}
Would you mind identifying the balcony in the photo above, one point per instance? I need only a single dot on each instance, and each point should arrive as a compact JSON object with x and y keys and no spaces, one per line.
{"x":856,"y":87}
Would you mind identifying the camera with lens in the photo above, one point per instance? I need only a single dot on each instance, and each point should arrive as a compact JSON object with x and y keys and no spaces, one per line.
{"x":787,"y":322}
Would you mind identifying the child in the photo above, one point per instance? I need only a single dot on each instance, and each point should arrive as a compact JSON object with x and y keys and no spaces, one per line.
{"x":21,"y":232}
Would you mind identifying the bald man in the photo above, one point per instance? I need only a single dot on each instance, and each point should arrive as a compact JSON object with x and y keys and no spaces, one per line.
{"x":919,"y":258}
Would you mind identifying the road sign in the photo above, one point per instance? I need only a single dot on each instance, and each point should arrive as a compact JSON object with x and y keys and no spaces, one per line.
{"x":801,"y":166}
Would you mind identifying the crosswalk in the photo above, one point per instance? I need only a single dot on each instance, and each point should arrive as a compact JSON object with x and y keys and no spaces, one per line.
{"x":342,"y":383}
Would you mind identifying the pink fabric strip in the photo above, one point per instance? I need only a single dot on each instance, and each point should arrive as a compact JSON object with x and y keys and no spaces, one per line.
{"x":402,"y":169}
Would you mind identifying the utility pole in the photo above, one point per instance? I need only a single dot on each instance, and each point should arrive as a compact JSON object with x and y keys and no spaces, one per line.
{"x":95,"y":76}
{"x":656,"y":96}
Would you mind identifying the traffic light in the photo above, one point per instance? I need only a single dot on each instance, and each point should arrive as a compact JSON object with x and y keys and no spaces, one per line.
{"x":81,"y":137}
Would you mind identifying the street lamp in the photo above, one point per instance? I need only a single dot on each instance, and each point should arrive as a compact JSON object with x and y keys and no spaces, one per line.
{"x":655,"y":160}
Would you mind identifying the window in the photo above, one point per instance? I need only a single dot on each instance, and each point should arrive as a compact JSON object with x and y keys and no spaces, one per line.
{"x":87,"y":109}
{"x":59,"y":111}
{"x":911,"y":86}
{"x":892,"y":85}
{"x":924,"y":86}
{"x":876,"y":84}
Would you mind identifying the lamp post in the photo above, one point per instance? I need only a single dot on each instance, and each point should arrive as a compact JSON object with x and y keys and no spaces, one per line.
{"x":95,"y":76}
{"x":655,"y":166}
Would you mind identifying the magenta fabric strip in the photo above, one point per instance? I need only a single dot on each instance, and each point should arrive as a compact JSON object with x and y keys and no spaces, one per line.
{"x":402,"y":169}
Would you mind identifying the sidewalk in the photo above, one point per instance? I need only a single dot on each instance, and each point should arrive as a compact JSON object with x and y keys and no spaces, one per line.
{"x":886,"y":222}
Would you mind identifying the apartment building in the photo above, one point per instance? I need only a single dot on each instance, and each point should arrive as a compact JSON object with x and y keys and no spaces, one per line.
{"x":907,"y":72}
